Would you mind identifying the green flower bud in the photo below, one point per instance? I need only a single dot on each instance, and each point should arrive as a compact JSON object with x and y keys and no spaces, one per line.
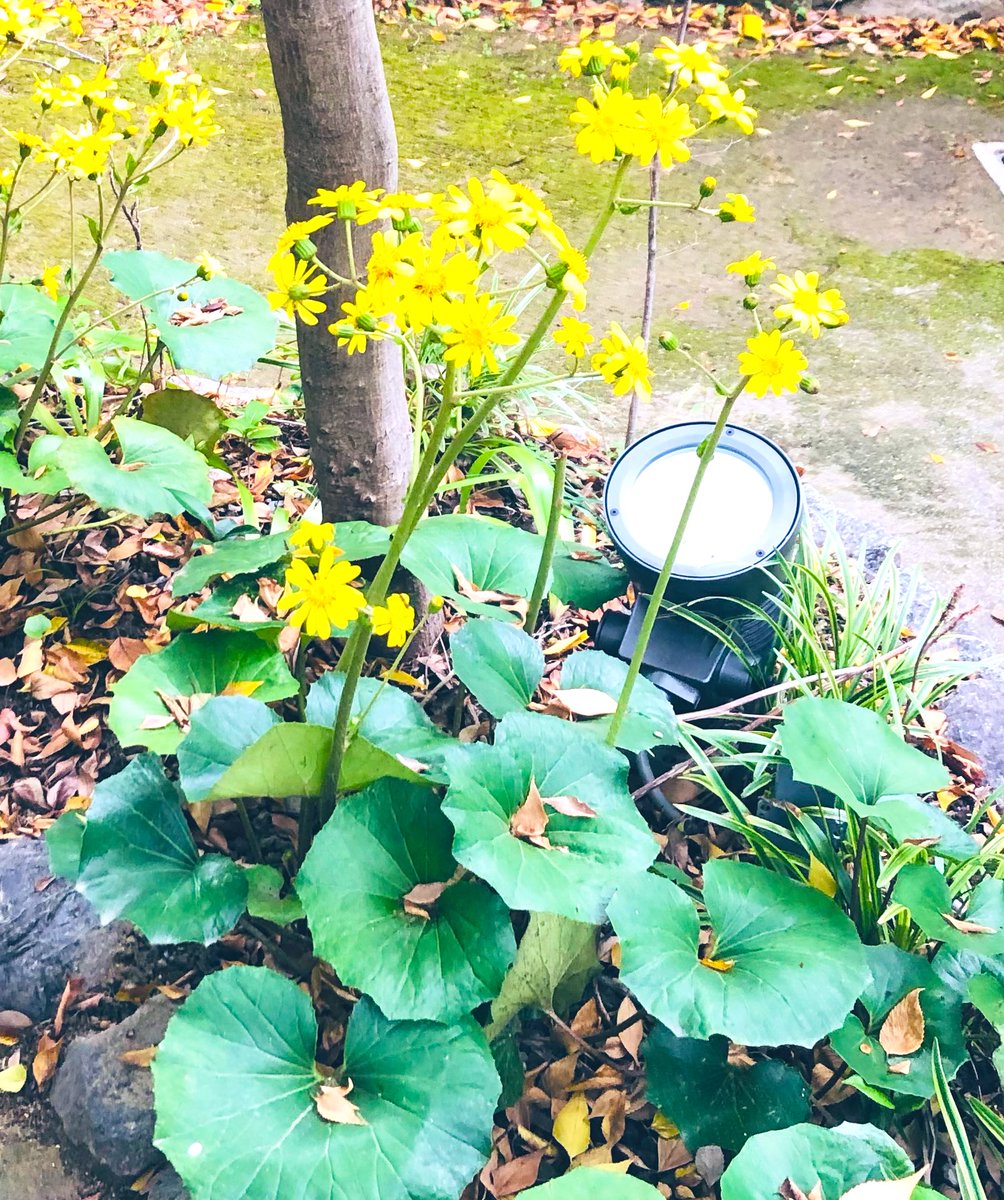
{"x":627,"y":209}
{"x":305,"y":249}
{"x":346,"y":210}
{"x":555,"y":273}
{"x":367,"y":323}
{"x":436,"y":604}
{"x":809,"y":384}
{"x":406,"y":224}
{"x":751,"y":281}
{"x":669,"y":341}
{"x":750,"y":302}
{"x":708,"y":185}
{"x":595,"y":66}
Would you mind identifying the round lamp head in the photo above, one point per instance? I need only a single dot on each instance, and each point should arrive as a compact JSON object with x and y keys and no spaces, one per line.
{"x":747,"y":515}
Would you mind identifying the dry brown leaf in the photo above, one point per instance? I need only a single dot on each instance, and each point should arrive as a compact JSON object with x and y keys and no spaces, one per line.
{"x":529,"y":821}
{"x":966,"y":926}
{"x":569,"y":806}
{"x":902,"y":1031}
{"x":421,"y":897}
{"x":899,"y":1068}
{"x":43,"y":1065}
{"x":586,"y":702}
{"x":511,"y":603}
{"x":333,"y":1105}
{"x":143,"y":1056}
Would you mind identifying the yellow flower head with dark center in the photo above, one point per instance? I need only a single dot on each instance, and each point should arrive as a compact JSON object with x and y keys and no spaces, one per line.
{"x":494,"y":216}
{"x":663,"y":128}
{"x":394,"y":620}
{"x":736,"y":207}
{"x":311,"y":537}
{"x":773,"y":364}
{"x":574,"y":336}
{"x":440,"y":273}
{"x":297,"y":286}
{"x":806,"y":305}
{"x":610,"y":124}
{"x":724,"y":105}
{"x":478,"y":324}
{"x":752,"y":266}
{"x":324,"y":599}
{"x":623,"y":363}
{"x":690,"y":63}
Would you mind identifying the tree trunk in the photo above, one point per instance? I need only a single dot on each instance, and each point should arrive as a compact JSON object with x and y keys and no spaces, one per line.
{"x":338,"y":127}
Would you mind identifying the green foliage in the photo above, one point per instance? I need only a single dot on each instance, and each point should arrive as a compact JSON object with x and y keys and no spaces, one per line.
{"x":488,"y":784}
{"x":234,"y":556}
{"x":979,"y":930}
{"x":436,"y":961}
{"x":500,"y":664}
{"x":587,"y":1183}
{"x":244,"y":327}
{"x":650,"y":719}
{"x":221,"y":730}
{"x":714,"y":1103}
{"x":784,"y":965}
{"x":238,"y":1058}
{"x":27,"y":323}
{"x":187,"y":415}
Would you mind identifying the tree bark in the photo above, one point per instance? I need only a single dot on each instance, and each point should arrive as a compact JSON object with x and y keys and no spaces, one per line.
{"x":338,"y":127}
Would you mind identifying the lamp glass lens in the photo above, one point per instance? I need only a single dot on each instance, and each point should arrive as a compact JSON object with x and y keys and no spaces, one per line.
{"x":727,"y":527}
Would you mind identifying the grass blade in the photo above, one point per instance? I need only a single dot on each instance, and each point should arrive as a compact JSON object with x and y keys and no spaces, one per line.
{"x":970,"y":1187}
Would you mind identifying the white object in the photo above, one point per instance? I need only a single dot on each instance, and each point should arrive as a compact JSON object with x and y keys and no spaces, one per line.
{"x":991,"y":156}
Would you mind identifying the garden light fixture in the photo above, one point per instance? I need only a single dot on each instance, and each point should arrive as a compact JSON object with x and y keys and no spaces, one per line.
{"x":712,"y":645}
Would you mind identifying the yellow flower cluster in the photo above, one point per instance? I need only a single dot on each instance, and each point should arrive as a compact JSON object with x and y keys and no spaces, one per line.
{"x":425,"y":274}
{"x":24,"y":22}
{"x":322,"y":595}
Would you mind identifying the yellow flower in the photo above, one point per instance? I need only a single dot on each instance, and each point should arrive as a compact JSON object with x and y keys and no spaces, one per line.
{"x":478,"y":325}
{"x":84,"y":153}
{"x":364,"y":322}
{"x":609,"y":124}
{"x":311,"y":537}
{"x":49,"y":283}
{"x":387,"y":270}
{"x":736,"y":207}
{"x":159,"y":72}
{"x":593,"y":56}
{"x":208,"y":266}
{"x":395,"y":620}
{"x":322,"y":600}
{"x":690,"y":63}
{"x":496,"y":217}
{"x":188,"y":111}
{"x":438,"y":274}
{"x":347,"y":199}
{"x":299,"y":231}
{"x":751,"y":267}
{"x":26,"y":142}
{"x":623,"y":363}
{"x":297,"y":286}
{"x":391,"y":206}
{"x":662,"y":130}
{"x":772,"y":364}
{"x":806,"y":305}
{"x":724,"y":105}
{"x":574,"y":335}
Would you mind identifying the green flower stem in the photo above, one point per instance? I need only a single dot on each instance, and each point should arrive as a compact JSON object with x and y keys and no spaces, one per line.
{"x":249,"y":833}
{"x":550,"y":541}
{"x":394,"y":666}
{"x":683,"y":204}
{"x":357,"y":646}
{"x":662,"y":583}
{"x":525,"y":387}
{"x":300,"y":675}
{"x":123,"y":405}
{"x":5,"y":220}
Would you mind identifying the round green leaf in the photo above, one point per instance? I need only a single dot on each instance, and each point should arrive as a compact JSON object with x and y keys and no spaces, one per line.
{"x":63,"y":841}
{"x":454,"y":554}
{"x":187,"y":415}
{"x":909,"y":817}
{"x":193,"y":664}
{"x":839,"y":1159}
{"x":220,"y":732}
{"x":587,"y":1183}
{"x":395,"y":723}
{"x":980,"y":929}
{"x":232,"y":342}
{"x":790,"y":963}
{"x":379,"y":845}
{"x":585,"y":582}
{"x":716,"y":1104}
{"x":235,"y":1079}
{"x":218,"y":610}
{"x":650,"y":719}
{"x":589,"y":855}
{"x":852,"y":752}
{"x":894,"y":973}
{"x":27,"y":322}
{"x":500,"y":664}
{"x":265,"y":884}
{"x":138,"y":861}
{"x":158,"y":472}
{"x":234,"y":556}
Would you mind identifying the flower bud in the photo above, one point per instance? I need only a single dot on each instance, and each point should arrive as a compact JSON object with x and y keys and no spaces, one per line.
{"x":183,"y":296}
{"x":406,"y":224}
{"x":555,"y":273}
{"x":669,"y":341}
{"x":436,"y":604}
{"x":809,"y":384}
{"x":627,"y":209}
{"x":708,"y":185}
{"x":346,"y":211}
{"x":367,"y":323}
{"x":305,"y":249}
{"x":342,"y":330}
{"x":595,"y":66}
{"x":750,"y":302}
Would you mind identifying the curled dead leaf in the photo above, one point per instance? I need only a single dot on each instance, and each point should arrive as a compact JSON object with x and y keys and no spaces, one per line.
{"x":529,"y":821}
{"x":586,"y":702}
{"x":902,"y":1067}
{"x":43,"y":1065}
{"x":332,"y":1104}
{"x":902,"y":1031}
{"x":718,"y":964}
{"x":966,"y":926}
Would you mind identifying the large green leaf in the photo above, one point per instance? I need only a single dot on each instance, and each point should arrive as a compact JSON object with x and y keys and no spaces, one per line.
{"x":453,"y":554}
{"x":852,"y":752}
{"x":894,"y":973}
{"x":27,"y":322}
{"x":588,"y":857}
{"x":235,"y":1080}
{"x":219,"y":610}
{"x":63,"y":841}
{"x":585,"y":582}
{"x":923,"y":890}
{"x":138,"y":861}
{"x":187,"y":415}
{"x":588,"y":1183}
{"x":394,"y":721}
{"x":220,"y":347}
{"x":158,"y":472}
{"x":987,"y":994}
{"x":379,"y":845}
{"x":784,"y":965}
{"x":714,"y":1103}
{"x":234,"y":556}
{"x":220,"y":732}
{"x":194,"y":664}
{"x":555,"y":960}
{"x":500,"y":664}
{"x":650,"y":719}
{"x":808,"y":1155}
{"x":909,"y":817}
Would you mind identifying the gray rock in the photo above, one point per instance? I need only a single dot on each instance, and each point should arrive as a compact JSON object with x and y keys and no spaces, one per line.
{"x":31,"y":1169}
{"x":951,"y":11}
{"x":105,"y":1104}
{"x":167,"y":1186}
{"x":47,"y":934}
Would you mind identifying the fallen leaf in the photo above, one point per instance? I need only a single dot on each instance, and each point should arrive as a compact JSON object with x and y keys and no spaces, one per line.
{"x":751,"y":25}
{"x":571,"y":1126}
{"x":586,"y":702}
{"x":529,"y":821}
{"x":13,"y":1078}
{"x":854,"y":123}
{"x":43,"y":1065}
{"x":936,"y":458}
{"x":966,"y":926}
{"x":987,"y":447}
{"x":820,"y":878}
{"x":333,"y":1105}
{"x":902,"y":1031}
{"x":885,"y":1189}
{"x":899,"y":1068}
{"x":563,"y":645}
{"x":418,"y":901}
{"x":569,"y":806}
{"x":718,"y":964}
{"x":143,"y":1056}
{"x":929,"y":93}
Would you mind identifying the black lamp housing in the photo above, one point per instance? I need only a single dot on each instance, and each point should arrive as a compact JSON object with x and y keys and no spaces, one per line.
{"x":723,"y":569}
